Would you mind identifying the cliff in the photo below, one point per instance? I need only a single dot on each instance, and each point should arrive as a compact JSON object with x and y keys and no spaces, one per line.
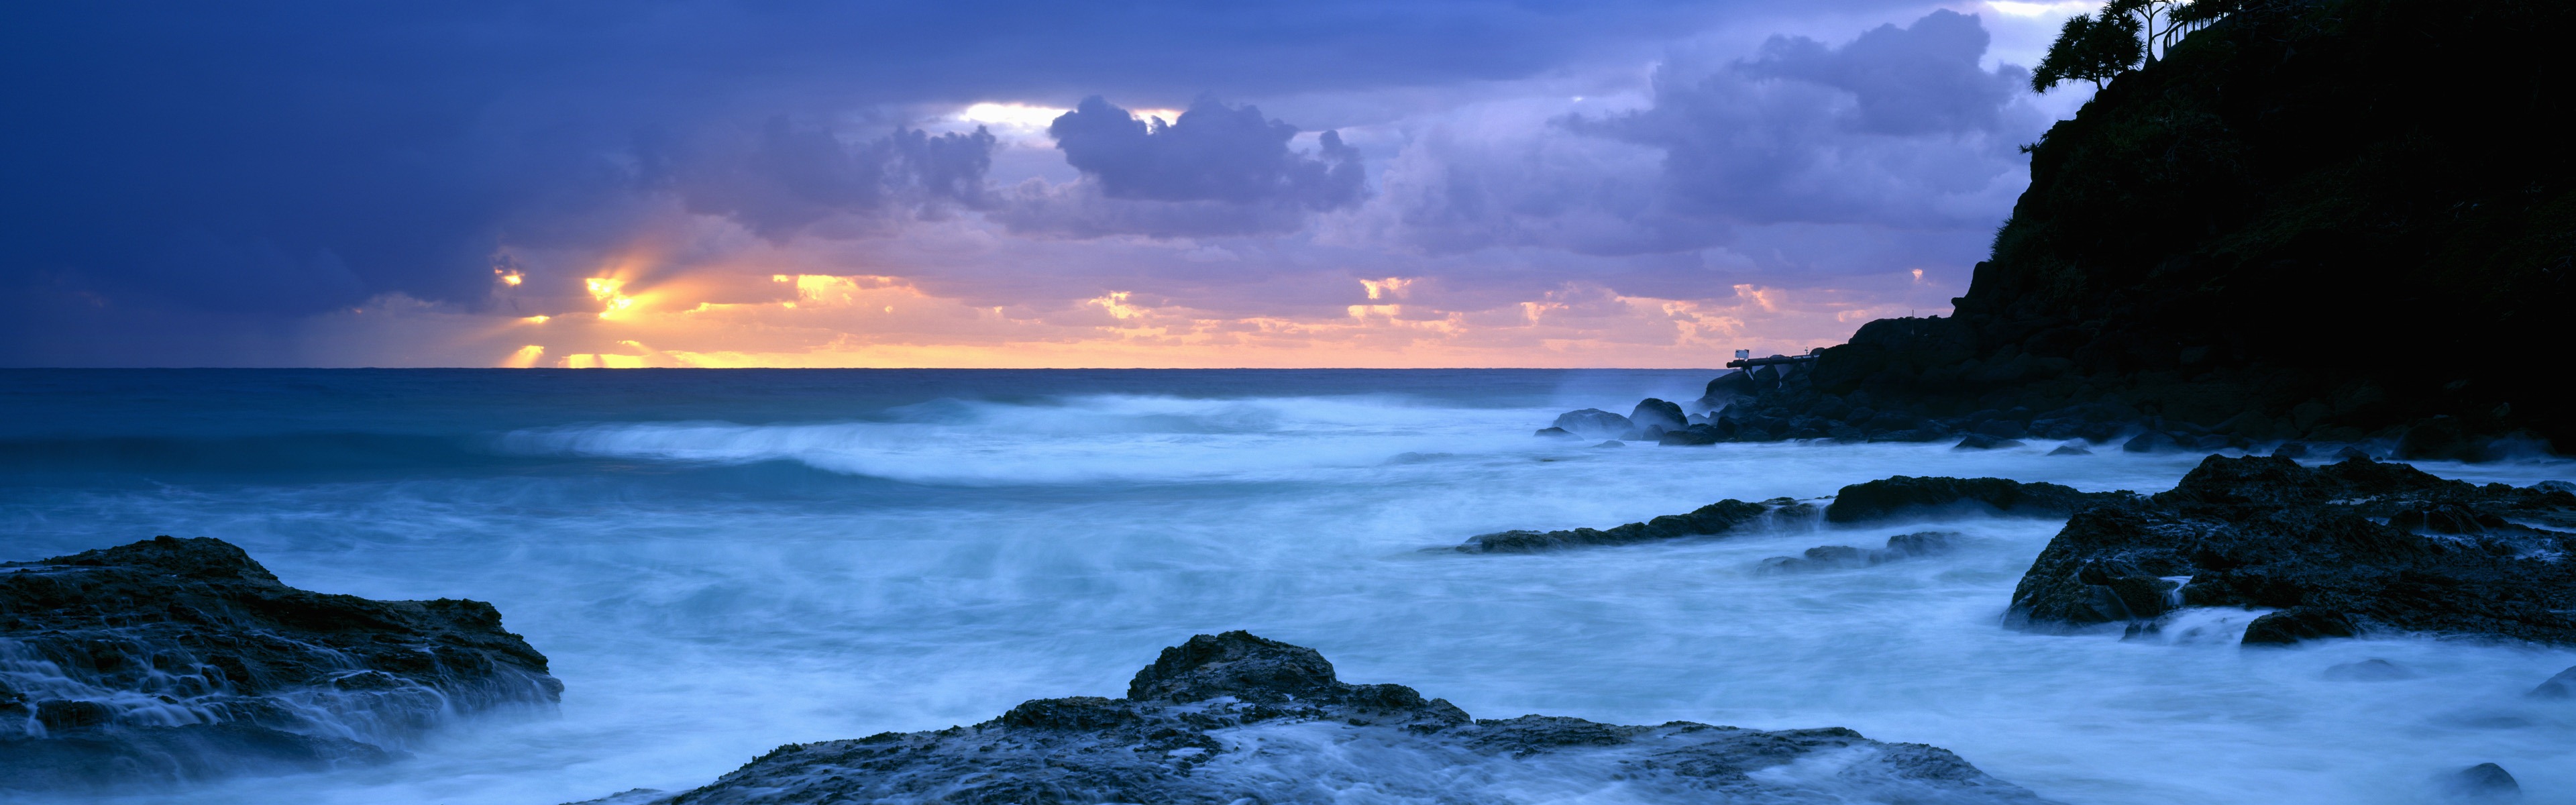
{"x":2332,"y":221}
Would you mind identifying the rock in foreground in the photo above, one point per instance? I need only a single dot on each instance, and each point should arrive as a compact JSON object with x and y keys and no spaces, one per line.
{"x":1238,"y":718}
{"x":178,"y":659}
{"x":2339,"y":550}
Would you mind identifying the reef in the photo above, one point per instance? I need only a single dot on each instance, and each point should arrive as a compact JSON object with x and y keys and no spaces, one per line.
{"x":184,"y":659}
{"x":1240,"y":718}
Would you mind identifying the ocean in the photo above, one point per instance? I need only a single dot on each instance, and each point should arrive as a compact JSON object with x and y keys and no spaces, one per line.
{"x":719,"y":562}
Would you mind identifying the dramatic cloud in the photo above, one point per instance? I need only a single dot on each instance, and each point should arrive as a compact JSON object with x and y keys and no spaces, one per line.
{"x":1901,"y":127}
{"x":306,"y":182}
{"x":1216,"y":170}
{"x":1212,"y":153}
{"x":1898,"y":131}
{"x":794,"y":177}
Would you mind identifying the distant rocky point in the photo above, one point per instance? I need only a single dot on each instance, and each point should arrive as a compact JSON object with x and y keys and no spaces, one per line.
{"x":2339,"y":221}
{"x":1240,"y":718}
{"x":183,"y":659}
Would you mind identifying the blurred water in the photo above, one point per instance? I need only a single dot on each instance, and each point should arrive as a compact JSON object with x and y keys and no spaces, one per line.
{"x":720,"y":562}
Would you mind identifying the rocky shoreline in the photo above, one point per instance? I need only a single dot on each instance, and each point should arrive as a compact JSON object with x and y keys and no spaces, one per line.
{"x":183,"y":659}
{"x":1776,"y":404}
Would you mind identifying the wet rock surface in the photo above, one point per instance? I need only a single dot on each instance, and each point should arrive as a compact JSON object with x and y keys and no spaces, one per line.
{"x":1909,"y":496}
{"x":1239,"y":718}
{"x":1714,"y":519}
{"x":180,"y":659}
{"x":1891,"y":498}
{"x":2338,"y":550}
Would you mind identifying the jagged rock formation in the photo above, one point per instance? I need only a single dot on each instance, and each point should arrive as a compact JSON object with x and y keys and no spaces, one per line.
{"x":172,"y":659}
{"x":2338,"y":550}
{"x":1239,"y":718}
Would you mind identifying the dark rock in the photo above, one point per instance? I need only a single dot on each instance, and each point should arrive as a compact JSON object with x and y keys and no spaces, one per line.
{"x":2485,"y":782}
{"x":1593,"y":423}
{"x":2370,"y":670}
{"x":276,"y":679}
{"x":1231,"y":717}
{"x":2299,"y":623}
{"x":2000,"y":429}
{"x":1612,"y":443}
{"x":2152,"y":442}
{"x":1556,"y":433}
{"x":2562,"y":686}
{"x":1654,"y":413}
{"x":1980,"y":441}
{"x":1725,"y":390}
{"x":2437,"y":439}
{"x":1691,"y":437}
{"x":2071,"y":449}
{"x":2269,"y":533}
{"x":1711,"y":520}
{"x":1907,"y":495}
{"x":2291,"y":450}
{"x":1844,"y":557}
{"x":2350,"y":452}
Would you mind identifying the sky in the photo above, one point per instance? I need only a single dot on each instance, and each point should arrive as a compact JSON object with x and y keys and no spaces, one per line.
{"x":993,"y":183}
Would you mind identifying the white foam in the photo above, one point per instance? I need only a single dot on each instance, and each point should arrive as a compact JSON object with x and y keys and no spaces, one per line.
{"x":1051,"y":549}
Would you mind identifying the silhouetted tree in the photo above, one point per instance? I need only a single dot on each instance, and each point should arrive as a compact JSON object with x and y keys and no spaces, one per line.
{"x":2091,"y":49}
{"x":2195,"y":15}
{"x":2150,"y":14}
{"x":2101,"y":47}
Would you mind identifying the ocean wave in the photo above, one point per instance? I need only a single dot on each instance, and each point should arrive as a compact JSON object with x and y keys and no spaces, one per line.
{"x":244,"y":454}
{"x":1078,"y":439}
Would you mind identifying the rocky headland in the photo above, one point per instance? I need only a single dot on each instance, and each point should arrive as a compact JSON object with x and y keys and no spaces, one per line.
{"x":2341,"y":221}
{"x":1240,"y":718}
{"x":184,"y":659}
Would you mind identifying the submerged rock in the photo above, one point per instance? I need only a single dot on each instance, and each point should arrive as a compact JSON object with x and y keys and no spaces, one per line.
{"x":2340,"y":550}
{"x":1710,"y":520}
{"x":1591,"y":423}
{"x":2370,"y":670}
{"x":1981,"y":441}
{"x":1240,"y":718}
{"x":2485,"y":782}
{"x":1844,"y":557}
{"x":180,"y":659}
{"x":1655,"y":413}
{"x":2562,"y":686}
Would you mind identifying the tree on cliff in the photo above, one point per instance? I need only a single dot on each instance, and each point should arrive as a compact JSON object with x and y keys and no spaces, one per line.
{"x":2101,"y":47}
{"x":2091,"y":49}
